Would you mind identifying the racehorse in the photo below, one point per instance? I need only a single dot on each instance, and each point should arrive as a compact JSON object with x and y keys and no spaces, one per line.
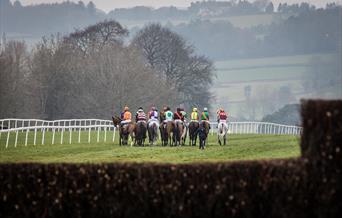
{"x":202,"y":135}
{"x":167,"y":130}
{"x":222,"y":132}
{"x":140,"y":133}
{"x":152,"y":130}
{"x":178,"y":132}
{"x":184,"y":134}
{"x":193,"y":127}
{"x":125,"y":131}
{"x":206,"y":126}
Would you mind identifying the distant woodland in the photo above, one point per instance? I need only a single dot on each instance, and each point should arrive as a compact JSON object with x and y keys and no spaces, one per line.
{"x":304,"y":29}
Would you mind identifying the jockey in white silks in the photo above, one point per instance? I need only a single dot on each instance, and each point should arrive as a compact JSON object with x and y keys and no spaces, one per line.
{"x":168,"y":115}
{"x":153,"y":117}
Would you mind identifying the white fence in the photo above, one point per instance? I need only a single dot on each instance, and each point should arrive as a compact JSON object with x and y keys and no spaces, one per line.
{"x":80,"y":127}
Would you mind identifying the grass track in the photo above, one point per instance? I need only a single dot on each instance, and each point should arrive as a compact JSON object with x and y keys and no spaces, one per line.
{"x":240,"y":147}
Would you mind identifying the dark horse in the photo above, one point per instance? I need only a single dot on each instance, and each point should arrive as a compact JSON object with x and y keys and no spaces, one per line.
{"x":202,"y":135}
{"x":166,"y":132}
{"x":193,"y":126}
{"x":124,"y":131}
{"x":152,"y":130}
{"x":140,"y":132}
{"x":206,"y":126}
{"x":178,"y":133}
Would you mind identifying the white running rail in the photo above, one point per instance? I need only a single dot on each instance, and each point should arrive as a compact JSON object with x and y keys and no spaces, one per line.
{"x":79,"y":127}
{"x":79,"y":131}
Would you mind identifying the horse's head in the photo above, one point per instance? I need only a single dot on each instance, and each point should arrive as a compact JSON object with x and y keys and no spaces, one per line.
{"x":116,"y":120}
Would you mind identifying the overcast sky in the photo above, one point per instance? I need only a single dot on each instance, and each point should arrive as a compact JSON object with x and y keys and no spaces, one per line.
{"x":108,"y":5}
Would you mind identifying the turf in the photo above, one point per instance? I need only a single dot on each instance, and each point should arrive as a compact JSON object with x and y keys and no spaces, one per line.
{"x":240,"y":147}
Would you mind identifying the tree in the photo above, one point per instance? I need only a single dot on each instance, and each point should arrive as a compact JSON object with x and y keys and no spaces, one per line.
{"x":17,"y":4}
{"x":270,"y":8}
{"x":97,"y":36}
{"x":175,"y":61}
{"x":287,"y":115}
{"x":13,"y":72}
{"x":91,"y":7}
{"x":67,"y":83}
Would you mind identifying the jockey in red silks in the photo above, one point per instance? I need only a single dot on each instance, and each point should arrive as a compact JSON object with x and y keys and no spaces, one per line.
{"x":222,"y":116}
{"x":178,"y":116}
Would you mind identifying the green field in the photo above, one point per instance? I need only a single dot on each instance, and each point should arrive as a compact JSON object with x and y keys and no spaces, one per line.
{"x":240,"y":147}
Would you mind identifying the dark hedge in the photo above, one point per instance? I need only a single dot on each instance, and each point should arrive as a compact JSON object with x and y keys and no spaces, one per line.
{"x":309,"y":186}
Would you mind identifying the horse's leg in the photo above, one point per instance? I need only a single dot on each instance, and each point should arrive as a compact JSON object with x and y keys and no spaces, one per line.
{"x":190,"y":138}
{"x":195,"y":137}
{"x":224,"y":140}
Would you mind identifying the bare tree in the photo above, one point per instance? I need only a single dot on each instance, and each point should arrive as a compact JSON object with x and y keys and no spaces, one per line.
{"x":13,"y":69}
{"x":170,"y":55}
{"x":97,"y":36}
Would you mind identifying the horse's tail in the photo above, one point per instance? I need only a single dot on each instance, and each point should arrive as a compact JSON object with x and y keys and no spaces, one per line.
{"x":185,"y":129}
{"x":222,"y":130}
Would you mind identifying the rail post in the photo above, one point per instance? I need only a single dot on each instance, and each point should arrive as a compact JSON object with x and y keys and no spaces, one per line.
{"x":62,"y":133}
{"x":79,"y":135}
{"x":35,"y":136}
{"x":53,"y":136}
{"x":70,"y":134}
{"x":8,"y":135}
{"x":89,"y":135}
{"x":26,"y":136}
{"x":43,"y":136}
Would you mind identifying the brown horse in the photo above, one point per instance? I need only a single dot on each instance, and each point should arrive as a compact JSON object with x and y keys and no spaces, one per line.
{"x":178,"y":133}
{"x":124,"y":131}
{"x":167,"y":131}
{"x":193,"y":127}
{"x":140,"y":133}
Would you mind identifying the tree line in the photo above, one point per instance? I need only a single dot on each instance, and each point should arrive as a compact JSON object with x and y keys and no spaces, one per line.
{"x":91,"y":72}
{"x":316,"y":31}
{"x":307,"y":30}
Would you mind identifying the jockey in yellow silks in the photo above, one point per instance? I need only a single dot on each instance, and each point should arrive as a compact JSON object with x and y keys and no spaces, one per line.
{"x":194,"y":115}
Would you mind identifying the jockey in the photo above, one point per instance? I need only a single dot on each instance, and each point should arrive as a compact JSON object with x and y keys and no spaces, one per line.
{"x":153,"y":117}
{"x":178,"y":116}
{"x":205,"y":115}
{"x":194,"y":115}
{"x":183,"y":114}
{"x":126,"y":116}
{"x":153,"y":114}
{"x":222,"y":116}
{"x":162,"y":114}
{"x":168,"y":115}
{"x":140,"y":116}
